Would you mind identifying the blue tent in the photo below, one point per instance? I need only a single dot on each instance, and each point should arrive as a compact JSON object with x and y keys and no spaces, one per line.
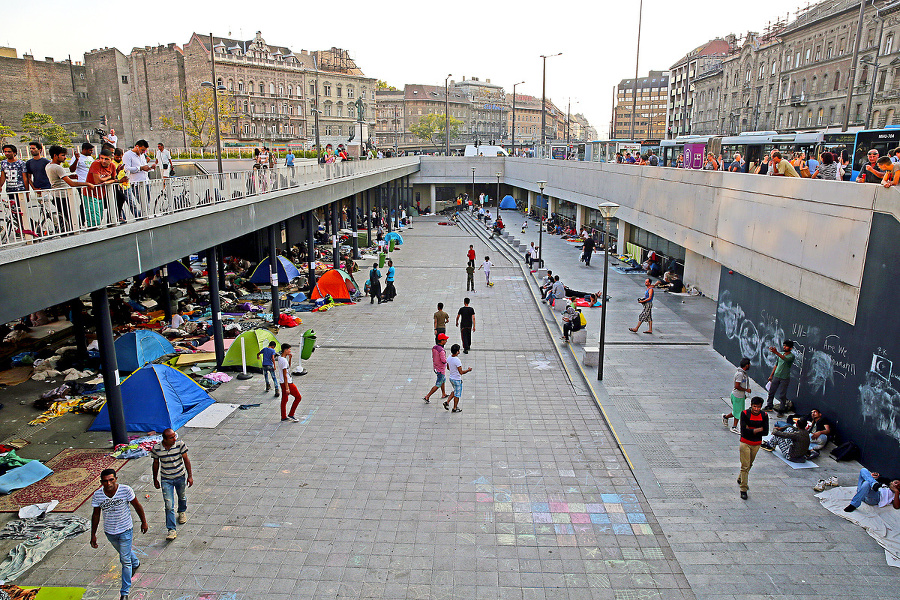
{"x":286,"y":272}
{"x":157,"y":397}
{"x":508,"y":202}
{"x":138,"y":347}
{"x":176,"y":272}
{"x":393,"y":235}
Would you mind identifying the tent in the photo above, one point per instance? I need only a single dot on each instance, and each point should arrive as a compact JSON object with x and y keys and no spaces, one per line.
{"x":336,"y":283}
{"x":393,"y":235}
{"x":157,"y":397}
{"x":176,"y":272}
{"x":508,"y":202}
{"x":286,"y":272}
{"x":254,"y":341}
{"x":138,"y":347}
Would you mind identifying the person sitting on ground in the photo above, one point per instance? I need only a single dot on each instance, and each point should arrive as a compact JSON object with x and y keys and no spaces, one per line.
{"x":873,"y":492}
{"x":595,"y":301}
{"x":792,"y":440}
{"x":671,"y":283}
{"x":819,"y":432}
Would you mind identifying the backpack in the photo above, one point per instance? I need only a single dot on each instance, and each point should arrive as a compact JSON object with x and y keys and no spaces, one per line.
{"x":581,"y":319}
{"x":846,"y":451}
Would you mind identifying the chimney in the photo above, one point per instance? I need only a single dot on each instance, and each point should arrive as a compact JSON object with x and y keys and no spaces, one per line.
{"x":48,"y":59}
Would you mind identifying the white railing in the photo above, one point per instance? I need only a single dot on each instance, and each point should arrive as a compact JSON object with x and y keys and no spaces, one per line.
{"x":28,"y":217}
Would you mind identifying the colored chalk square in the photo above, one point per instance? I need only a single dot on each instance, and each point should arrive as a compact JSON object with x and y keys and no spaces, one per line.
{"x":637,"y":518}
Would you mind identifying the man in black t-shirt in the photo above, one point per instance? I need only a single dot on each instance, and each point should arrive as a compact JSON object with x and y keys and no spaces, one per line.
{"x":588,"y":250}
{"x":35,"y":173}
{"x":465,"y":320}
{"x":819,"y":432}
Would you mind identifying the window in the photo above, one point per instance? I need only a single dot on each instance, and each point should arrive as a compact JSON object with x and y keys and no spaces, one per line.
{"x":790,"y":118}
{"x":251,"y":88}
{"x":338,"y":91}
{"x":220,"y":83}
{"x":837,"y":80}
{"x":349,"y":91}
{"x":825,"y":82}
{"x":818,"y":53}
{"x":240,"y":85}
{"x":340,"y":130}
{"x":280,"y":90}
{"x":774,"y":66}
{"x":312,"y":89}
{"x":363,"y":94}
{"x":246,"y":108}
{"x":252,"y":107}
{"x":326,"y":89}
{"x":875,"y":116}
{"x":864,"y":75}
{"x":829,"y":51}
{"x":808,"y":52}
{"x":262,"y":88}
{"x":813,"y":89}
{"x":233,"y":129}
{"x":780,"y":121}
{"x":831,"y":115}
{"x":231,"y":85}
{"x":881,"y":80}
{"x":327,"y":109}
{"x":246,"y":128}
{"x":328,"y":130}
{"x":125,"y":79}
{"x":797,"y":59}
{"x":888,"y":45}
{"x":340,"y":109}
{"x":808,"y":118}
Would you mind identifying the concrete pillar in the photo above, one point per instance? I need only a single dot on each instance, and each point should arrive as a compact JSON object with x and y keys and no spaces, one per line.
{"x":273,"y":271}
{"x":368,"y":217}
{"x":354,"y":227}
{"x":335,"y":252}
{"x":552,"y":205}
{"x":109,"y":366}
{"x":311,"y":248}
{"x":579,"y":217}
{"x":530,"y":200}
{"x":215,"y":304}
{"x":433,"y":192}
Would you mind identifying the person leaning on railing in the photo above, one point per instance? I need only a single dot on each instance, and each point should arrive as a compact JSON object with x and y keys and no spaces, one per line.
{"x":66,"y":202}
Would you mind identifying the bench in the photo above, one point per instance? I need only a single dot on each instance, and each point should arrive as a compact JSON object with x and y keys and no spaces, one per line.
{"x":579,"y":337}
{"x":591,"y":356}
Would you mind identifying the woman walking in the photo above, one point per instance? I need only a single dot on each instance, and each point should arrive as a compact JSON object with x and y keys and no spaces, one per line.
{"x":647,"y":313}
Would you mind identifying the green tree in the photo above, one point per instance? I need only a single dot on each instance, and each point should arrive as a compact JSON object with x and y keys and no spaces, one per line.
{"x":431,"y":128}
{"x":383,"y":85}
{"x":5,"y":133}
{"x":41,"y":127}
{"x":199,"y":117}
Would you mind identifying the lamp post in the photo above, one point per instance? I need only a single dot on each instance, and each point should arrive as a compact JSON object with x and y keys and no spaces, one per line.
{"x":498,"y":174}
{"x":473,"y":186}
{"x":544,"y":98}
{"x":447,"y":114}
{"x":607,"y":211}
{"x":637,"y":54}
{"x":541,"y":185}
{"x":854,"y":62}
{"x":316,"y":113}
{"x":513,"y":153}
{"x":215,"y":87}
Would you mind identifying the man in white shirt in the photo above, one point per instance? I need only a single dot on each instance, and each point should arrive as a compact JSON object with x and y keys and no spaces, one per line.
{"x":111,"y":138}
{"x":177,"y":321}
{"x":454,"y":374}
{"x":163,"y":160}
{"x":135,"y":165}
{"x":283,"y":375}
{"x":81,"y":163}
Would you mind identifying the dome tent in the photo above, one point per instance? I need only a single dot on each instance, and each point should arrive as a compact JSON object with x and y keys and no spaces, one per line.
{"x":286,"y":272}
{"x":335,"y":283}
{"x":508,"y":202}
{"x":254,"y":341}
{"x":136,"y":348}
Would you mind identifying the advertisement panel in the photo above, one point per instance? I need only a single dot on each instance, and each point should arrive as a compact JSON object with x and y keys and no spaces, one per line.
{"x":694,"y":155}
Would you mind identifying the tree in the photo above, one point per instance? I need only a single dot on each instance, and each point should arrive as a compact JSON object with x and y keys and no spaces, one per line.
{"x":383,"y":85}
{"x":199,"y":117}
{"x":42,"y":128}
{"x":431,"y":128}
{"x":6,"y":132}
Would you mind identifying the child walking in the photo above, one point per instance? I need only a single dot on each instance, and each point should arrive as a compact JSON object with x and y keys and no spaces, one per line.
{"x":486,"y":265}
{"x":454,"y":374}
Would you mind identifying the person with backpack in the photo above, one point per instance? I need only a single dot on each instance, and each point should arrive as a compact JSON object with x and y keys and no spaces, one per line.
{"x":375,"y":284}
{"x":573,"y":320}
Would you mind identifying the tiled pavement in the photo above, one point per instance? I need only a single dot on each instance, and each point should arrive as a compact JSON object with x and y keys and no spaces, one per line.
{"x":525,"y":494}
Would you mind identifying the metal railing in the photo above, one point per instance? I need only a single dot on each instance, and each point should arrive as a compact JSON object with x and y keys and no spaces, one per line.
{"x":28,"y":217}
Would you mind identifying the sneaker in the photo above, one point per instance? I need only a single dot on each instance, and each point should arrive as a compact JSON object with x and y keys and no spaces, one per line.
{"x":456,"y":410}
{"x":268,"y":388}
{"x":293,"y":419}
{"x":725,"y":420}
{"x":123,"y":597}
{"x":820,"y":487}
{"x":172,"y":535}
{"x":813,"y":454}
{"x":277,"y":393}
{"x":832,"y":481}
{"x":182,"y":518}
{"x":135,"y":568}
{"x":850,"y":508}
{"x":769,"y":408}
{"x":743,"y":495}
{"x":767,"y":447}
{"x":735,"y":430}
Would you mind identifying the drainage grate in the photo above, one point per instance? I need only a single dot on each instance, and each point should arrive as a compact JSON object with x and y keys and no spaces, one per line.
{"x":658,"y":454}
{"x":681,"y":490}
{"x":631,"y":411}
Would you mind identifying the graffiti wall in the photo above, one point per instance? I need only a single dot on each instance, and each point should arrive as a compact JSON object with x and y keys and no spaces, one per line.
{"x":850,"y":372}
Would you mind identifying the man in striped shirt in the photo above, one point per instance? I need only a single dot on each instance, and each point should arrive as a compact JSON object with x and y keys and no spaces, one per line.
{"x":171,"y":471}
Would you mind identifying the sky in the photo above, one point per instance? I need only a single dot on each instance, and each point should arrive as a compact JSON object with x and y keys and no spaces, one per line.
{"x":404,"y":41}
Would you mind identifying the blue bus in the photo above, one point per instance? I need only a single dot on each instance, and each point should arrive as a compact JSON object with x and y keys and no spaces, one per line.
{"x":877,"y":139}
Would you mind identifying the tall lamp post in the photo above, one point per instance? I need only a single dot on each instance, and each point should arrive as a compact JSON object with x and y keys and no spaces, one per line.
{"x":215,"y":87}
{"x":607,"y":211}
{"x":498,"y":174}
{"x":513,"y":153}
{"x":473,"y":186}
{"x":447,"y":113}
{"x":541,"y":185}
{"x":544,"y":98}
{"x":637,"y":54}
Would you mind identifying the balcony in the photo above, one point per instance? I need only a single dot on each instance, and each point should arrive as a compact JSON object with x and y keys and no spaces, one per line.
{"x":800,"y":100}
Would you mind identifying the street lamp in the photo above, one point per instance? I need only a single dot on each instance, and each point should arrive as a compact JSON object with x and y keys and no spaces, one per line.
{"x":498,"y":191}
{"x":544,"y":98}
{"x":212,"y":60}
{"x":637,"y":54}
{"x":541,"y":185}
{"x":473,"y":186}
{"x":607,"y":211}
{"x":316,"y":113}
{"x":447,"y":113}
{"x":513,"y":153}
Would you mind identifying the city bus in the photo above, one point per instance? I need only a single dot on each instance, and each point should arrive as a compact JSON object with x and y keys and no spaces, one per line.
{"x":878,"y":139}
{"x":605,"y":150}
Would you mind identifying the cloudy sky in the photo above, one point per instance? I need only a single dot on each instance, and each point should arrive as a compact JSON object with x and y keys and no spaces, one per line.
{"x":403,"y":41}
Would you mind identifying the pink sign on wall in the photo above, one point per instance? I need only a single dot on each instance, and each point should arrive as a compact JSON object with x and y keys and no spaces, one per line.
{"x":694,"y":156}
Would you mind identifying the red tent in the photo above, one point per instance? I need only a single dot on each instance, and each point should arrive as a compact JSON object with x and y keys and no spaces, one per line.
{"x":336,"y":283}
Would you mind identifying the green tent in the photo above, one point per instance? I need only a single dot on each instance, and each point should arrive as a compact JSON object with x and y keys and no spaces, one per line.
{"x":254,"y":341}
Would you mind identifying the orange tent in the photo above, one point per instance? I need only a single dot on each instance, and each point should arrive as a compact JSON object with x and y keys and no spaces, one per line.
{"x":336,"y":283}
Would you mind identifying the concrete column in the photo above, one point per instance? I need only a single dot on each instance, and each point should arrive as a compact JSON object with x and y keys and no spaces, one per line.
{"x":368,"y":217}
{"x":335,"y":252}
{"x":579,"y":217}
{"x":273,"y":271}
{"x":552,"y":204}
{"x":311,"y":249}
{"x":530,"y":199}
{"x":354,"y":226}
{"x":109,"y":366}
{"x":389,"y":201}
{"x":215,"y":304}
{"x":433,"y":192}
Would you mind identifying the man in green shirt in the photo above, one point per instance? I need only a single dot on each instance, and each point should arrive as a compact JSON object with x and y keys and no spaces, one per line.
{"x":783,"y":168}
{"x":781,"y":375}
{"x":470,"y":277}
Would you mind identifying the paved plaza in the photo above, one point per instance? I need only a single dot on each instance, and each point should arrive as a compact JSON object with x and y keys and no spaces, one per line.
{"x":526,"y":494}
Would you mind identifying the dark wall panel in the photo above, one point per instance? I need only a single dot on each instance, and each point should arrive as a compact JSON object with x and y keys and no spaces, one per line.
{"x":850,"y":372}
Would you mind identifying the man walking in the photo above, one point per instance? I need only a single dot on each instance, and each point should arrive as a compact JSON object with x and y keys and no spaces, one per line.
{"x":375,"y":284}
{"x":283,"y":372}
{"x":486,"y":265}
{"x":738,"y":395}
{"x":455,"y":373}
{"x":163,"y":161}
{"x":470,"y":277}
{"x":440,"y":322}
{"x":171,"y":471}
{"x":465,"y":320}
{"x":112,"y":500}
{"x":136,"y":169}
{"x":754,"y":427}
{"x":588,"y":250}
{"x":471,"y":255}
{"x":439,"y":362}
{"x":781,"y":375}
{"x":268,"y":366}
